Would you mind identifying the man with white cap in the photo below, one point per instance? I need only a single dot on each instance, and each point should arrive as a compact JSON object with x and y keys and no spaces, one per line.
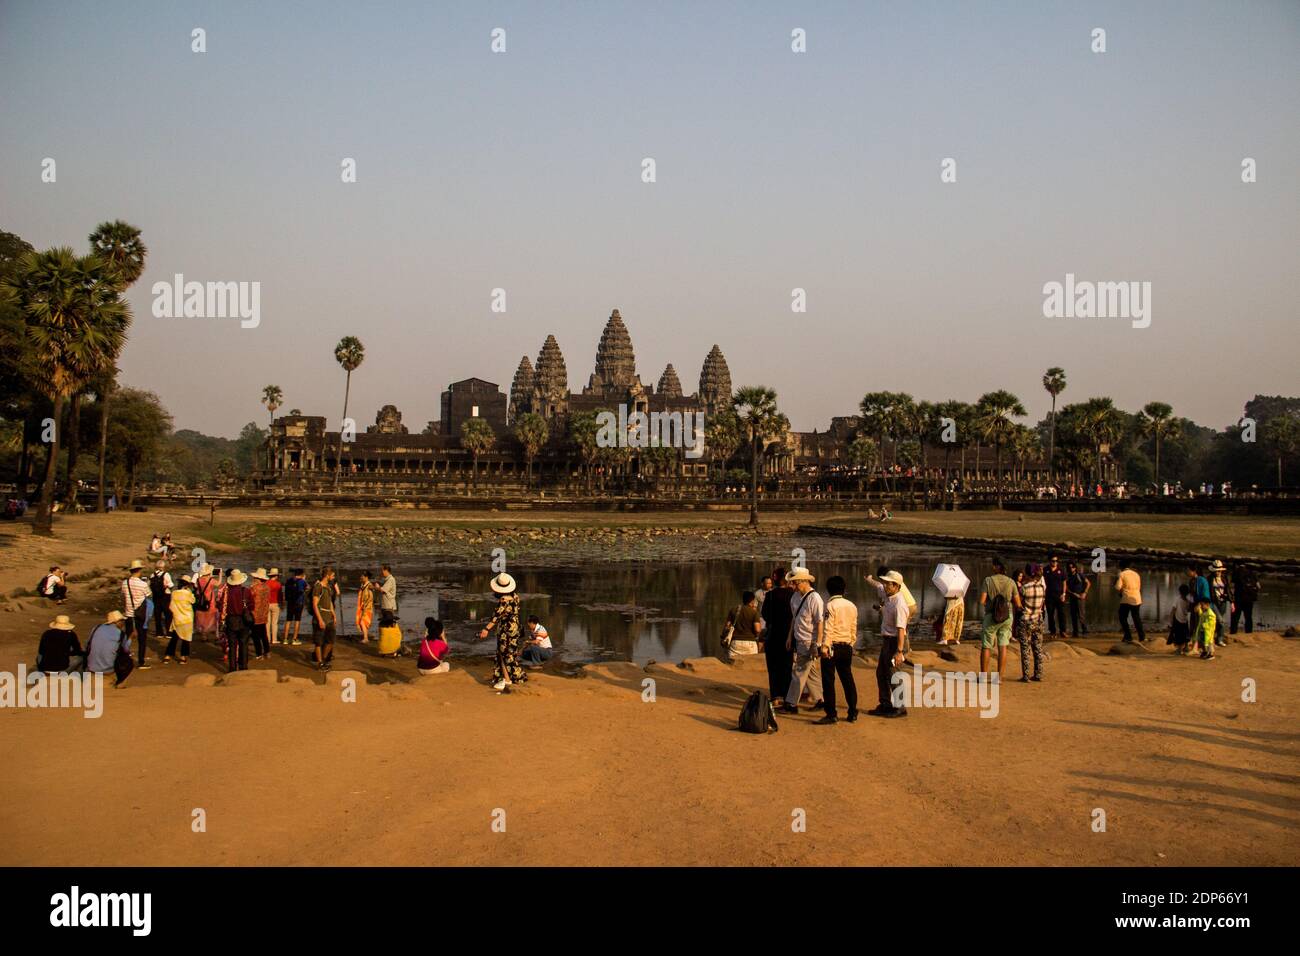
{"x":807,"y":627}
{"x":893,"y":638}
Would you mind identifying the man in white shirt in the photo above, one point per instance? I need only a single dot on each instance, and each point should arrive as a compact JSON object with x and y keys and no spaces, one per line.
{"x":806,"y":635}
{"x":135,"y":597}
{"x":387,"y":588}
{"x":836,"y":651}
{"x":893,"y":638}
{"x":537,"y":650}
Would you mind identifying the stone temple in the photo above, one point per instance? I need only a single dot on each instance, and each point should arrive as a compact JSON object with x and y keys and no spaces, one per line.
{"x":302,"y":454}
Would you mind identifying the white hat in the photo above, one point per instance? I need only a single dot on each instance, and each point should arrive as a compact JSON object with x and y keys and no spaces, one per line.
{"x":503,"y":584}
{"x":260,"y":574}
{"x":62,"y":623}
{"x":187,"y":578}
{"x":800,"y":574}
{"x":237,"y":577}
{"x":205,"y":569}
{"x":113,"y":617}
{"x":136,"y":565}
{"x":273,"y":573}
{"x":1217,"y":565}
{"x":893,"y":577}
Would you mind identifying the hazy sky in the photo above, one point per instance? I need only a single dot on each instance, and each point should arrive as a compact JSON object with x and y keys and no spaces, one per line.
{"x":775,"y":170}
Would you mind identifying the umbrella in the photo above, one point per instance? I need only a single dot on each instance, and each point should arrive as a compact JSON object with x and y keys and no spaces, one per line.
{"x":951,"y":580}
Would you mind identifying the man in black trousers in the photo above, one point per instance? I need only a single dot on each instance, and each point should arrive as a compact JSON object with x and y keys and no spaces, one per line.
{"x":776,"y":628}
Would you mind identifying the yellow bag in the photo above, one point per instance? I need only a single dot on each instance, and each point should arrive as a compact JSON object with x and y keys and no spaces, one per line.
{"x":390,"y":639}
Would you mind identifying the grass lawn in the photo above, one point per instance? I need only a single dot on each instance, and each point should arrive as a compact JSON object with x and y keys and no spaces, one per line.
{"x":1261,"y":537}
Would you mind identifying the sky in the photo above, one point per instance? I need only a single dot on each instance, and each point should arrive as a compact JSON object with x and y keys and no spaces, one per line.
{"x":774,"y":171}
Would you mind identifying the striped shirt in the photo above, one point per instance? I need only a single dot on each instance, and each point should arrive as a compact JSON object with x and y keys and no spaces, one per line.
{"x":135,"y":591}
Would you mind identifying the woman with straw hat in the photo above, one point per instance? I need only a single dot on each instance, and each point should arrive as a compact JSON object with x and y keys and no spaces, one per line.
{"x":59,"y":650}
{"x":182,"y":609}
{"x":507,"y":669}
{"x":207,"y":615}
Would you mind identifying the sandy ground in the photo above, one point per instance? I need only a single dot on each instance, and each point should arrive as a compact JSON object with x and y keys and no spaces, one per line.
{"x":585,"y":771}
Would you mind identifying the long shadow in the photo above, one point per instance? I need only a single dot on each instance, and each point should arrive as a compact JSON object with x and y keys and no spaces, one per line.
{"x":1287,"y":778}
{"x":1188,"y":735}
{"x":680,"y":685}
{"x":1242,"y":731}
{"x":1278,"y":801}
{"x":1249,"y":812}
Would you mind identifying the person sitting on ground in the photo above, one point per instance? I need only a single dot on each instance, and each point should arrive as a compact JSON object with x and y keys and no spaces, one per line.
{"x":54,"y":586}
{"x":1206,"y":628}
{"x":433,"y":649}
{"x":101,"y":649}
{"x":1180,"y":633}
{"x":537,"y":644}
{"x":155,"y":545}
{"x":59,"y":651}
{"x":746,"y":627}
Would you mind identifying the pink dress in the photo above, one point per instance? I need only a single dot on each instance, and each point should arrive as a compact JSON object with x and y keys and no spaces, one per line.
{"x":205,"y":622}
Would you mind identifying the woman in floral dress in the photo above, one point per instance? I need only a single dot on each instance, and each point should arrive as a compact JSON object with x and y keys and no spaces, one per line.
{"x":505,"y":622}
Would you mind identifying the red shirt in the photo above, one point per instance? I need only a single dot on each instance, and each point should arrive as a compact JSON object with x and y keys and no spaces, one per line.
{"x":273,"y":586}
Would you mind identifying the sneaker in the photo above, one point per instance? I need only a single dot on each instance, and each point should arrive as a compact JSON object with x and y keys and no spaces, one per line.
{"x":1036,"y":677}
{"x":499,"y":686}
{"x":295,"y":643}
{"x":143,"y":667}
{"x":828,"y":719}
{"x":787,"y":709}
{"x":1024,"y":680}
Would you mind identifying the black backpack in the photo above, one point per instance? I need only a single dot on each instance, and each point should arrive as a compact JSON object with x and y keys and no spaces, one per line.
{"x":201,"y":602}
{"x":1000,"y":609}
{"x":1248,"y":589}
{"x":758,"y":716}
{"x":158,"y":587}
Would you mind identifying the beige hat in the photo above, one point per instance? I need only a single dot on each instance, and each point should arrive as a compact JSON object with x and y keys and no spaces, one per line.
{"x":205,"y":569}
{"x":273,"y":573}
{"x":503,"y":584}
{"x":187,"y":578}
{"x":136,"y":565}
{"x":237,"y":577}
{"x":800,"y":574}
{"x":1217,"y":565}
{"x":62,"y":623}
{"x":893,"y":577}
{"x":112,"y":617}
{"x":260,"y":574}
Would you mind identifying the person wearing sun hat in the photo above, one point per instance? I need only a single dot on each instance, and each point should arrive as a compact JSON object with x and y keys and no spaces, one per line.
{"x":261,"y":605}
{"x":135,"y":604}
{"x":236,"y":619}
{"x":505,"y":622}
{"x":182,"y":616}
{"x":101,"y":648}
{"x":807,"y":633}
{"x":59,"y":650}
{"x":1220,"y":598}
{"x":207,"y":615}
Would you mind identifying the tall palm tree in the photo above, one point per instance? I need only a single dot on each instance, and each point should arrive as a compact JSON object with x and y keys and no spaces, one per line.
{"x":881,"y":414}
{"x":996,"y":412}
{"x":119,"y":244}
{"x":1158,"y":423}
{"x":861,"y":453}
{"x":958,"y":413}
{"x":349,"y":353}
{"x":75,"y":321}
{"x":1054,"y":382}
{"x":476,"y":437}
{"x":272,"y":398}
{"x":584,"y":432}
{"x":723,"y":436}
{"x":755,"y":408}
{"x":532,"y":431}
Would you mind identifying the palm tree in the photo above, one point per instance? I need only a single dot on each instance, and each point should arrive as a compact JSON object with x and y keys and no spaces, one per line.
{"x":1282,"y":436}
{"x":349,"y":353}
{"x":532,"y":431}
{"x":1054,"y":382}
{"x":584,"y":432}
{"x":723,"y":436}
{"x":272,"y":398}
{"x":880,"y":416}
{"x":861,"y":453}
{"x":476,"y":437}
{"x":119,"y":244}
{"x":75,"y":321}
{"x":958,"y":413}
{"x":1157,"y":422}
{"x":996,"y":411}
{"x":922,"y":418}
{"x":755,"y":408}
{"x":1103,"y":424}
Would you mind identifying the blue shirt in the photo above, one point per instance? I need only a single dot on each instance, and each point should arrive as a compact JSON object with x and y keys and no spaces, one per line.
{"x":103,"y":648}
{"x":1201,"y":588}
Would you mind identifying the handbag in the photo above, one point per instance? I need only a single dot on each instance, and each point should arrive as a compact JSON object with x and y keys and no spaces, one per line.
{"x":731,"y":627}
